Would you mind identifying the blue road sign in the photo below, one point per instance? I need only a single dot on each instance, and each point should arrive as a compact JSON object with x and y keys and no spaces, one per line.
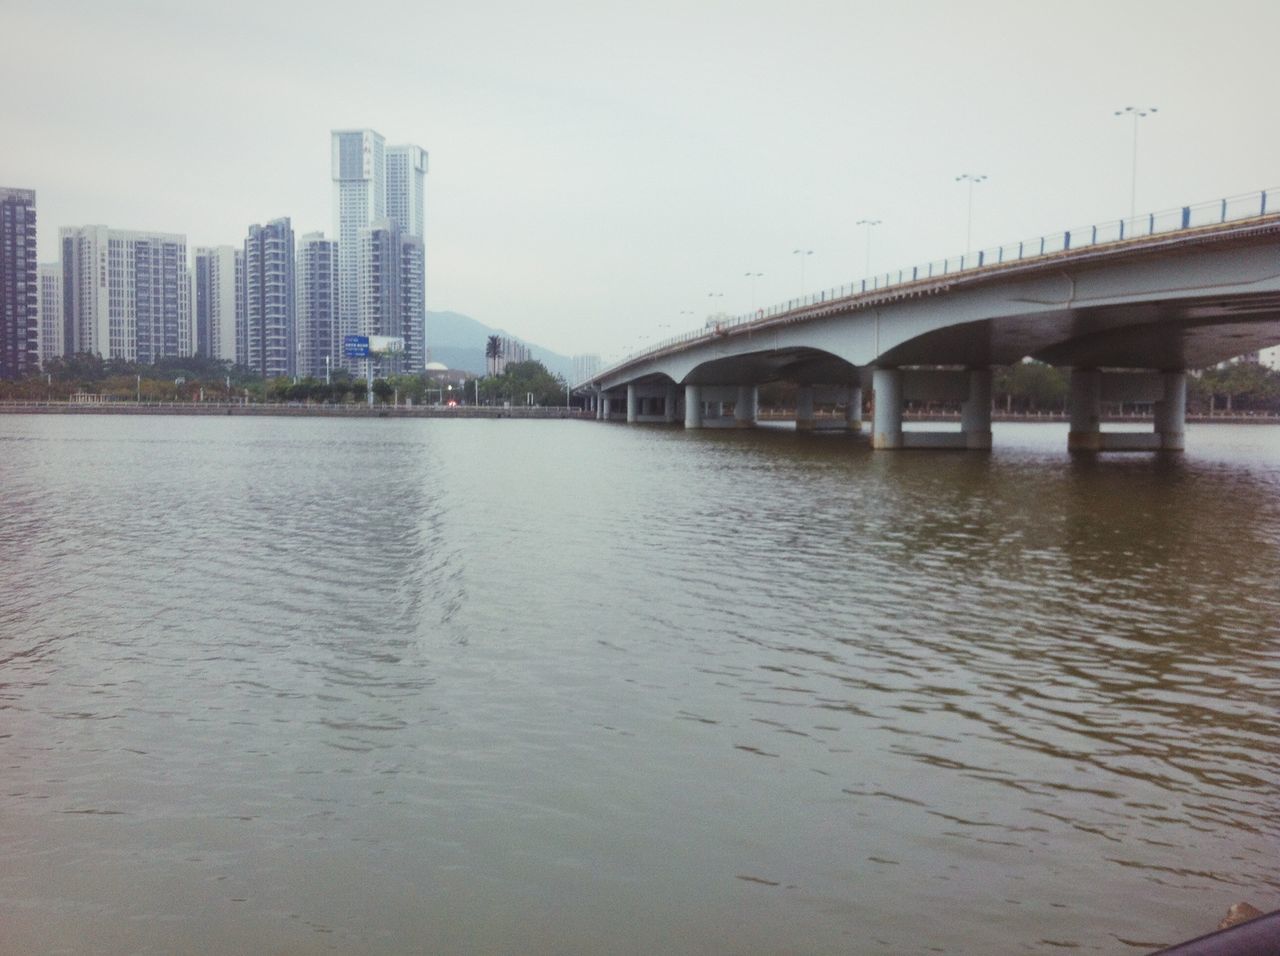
{"x":355,"y":346}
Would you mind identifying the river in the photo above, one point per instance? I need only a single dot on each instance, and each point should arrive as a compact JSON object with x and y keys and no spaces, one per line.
{"x":377,"y":686}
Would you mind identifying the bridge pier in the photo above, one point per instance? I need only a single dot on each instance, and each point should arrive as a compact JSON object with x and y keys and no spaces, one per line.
{"x":886,"y":402}
{"x":970,"y":387}
{"x":975,"y":411}
{"x":853,"y":410}
{"x":744,"y":409}
{"x":693,"y":406}
{"x":633,"y":405}
{"x":1166,"y":391}
{"x":669,"y":406}
{"x":804,"y":408}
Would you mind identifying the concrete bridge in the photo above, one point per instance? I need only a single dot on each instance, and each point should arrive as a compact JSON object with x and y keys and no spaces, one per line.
{"x":1129,"y":306}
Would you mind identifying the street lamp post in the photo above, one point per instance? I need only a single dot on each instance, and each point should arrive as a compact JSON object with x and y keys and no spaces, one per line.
{"x":1137,"y":112}
{"x":753,"y":276}
{"x":972,"y":179}
{"x":803,"y":254}
{"x":868,"y":223}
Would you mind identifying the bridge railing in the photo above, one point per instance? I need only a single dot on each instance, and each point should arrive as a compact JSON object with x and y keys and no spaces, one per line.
{"x":1181,"y":218}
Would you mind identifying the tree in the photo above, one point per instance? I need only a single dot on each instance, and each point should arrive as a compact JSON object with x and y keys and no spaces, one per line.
{"x":521,"y":381}
{"x":493,"y":353}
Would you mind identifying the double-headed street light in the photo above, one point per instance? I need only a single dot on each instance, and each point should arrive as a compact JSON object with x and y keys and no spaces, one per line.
{"x":972,"y":179}
{"x":1137,"y":112}
{"x":868,"y":223}
{"x":803,"y":254}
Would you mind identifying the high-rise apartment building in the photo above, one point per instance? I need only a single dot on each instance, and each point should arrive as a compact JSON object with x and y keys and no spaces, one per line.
{"x":319,"y":346}
{"x":19,"y":297}
{"x":406,"y":182}
{"x":511,"y":352}
{"x":269,"y":318}
{"x":391,"y":294}
{"x":382,"y":189}
{"x":219,"y":303}
{"x":359,"y":170}
{"x":126,"y":294}
{"x":584,"y":367}
{"x":50,"y":279}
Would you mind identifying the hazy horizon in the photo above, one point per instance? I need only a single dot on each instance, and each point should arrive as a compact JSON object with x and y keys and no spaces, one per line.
{"x":607,"y":174}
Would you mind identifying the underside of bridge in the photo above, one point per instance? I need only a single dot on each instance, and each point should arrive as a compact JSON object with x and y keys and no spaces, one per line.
{"x":802,"y":366}
{"x":1187,"y":335}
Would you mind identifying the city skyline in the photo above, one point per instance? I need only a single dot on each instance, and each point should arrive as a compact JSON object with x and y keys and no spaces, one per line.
{"x":596,"y":175}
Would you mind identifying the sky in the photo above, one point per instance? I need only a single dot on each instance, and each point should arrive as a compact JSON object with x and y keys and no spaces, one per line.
{"x":605,"y":174}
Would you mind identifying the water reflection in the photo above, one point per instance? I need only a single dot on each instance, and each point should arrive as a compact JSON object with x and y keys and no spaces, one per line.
{"x":381,"y":682}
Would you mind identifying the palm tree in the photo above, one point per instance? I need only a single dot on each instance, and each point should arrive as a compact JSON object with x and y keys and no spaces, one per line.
{"x":493,"y":352}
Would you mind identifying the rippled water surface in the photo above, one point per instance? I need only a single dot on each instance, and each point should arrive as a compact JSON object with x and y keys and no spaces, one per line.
{"x":297,"y":686}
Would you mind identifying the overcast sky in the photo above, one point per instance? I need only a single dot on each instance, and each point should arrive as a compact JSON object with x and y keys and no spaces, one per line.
{"x":606,"y":172}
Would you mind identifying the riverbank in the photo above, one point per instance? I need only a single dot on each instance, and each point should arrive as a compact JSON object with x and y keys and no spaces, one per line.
{"x":302,"y":410}
{"x":287,"y":410}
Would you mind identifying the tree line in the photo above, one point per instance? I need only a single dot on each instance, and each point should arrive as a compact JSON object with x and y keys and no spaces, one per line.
{"x":1026,"y":387}
{"x":195,"y":378}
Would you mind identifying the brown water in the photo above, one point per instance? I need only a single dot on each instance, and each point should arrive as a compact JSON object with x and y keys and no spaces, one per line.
{"x":561,"y":687}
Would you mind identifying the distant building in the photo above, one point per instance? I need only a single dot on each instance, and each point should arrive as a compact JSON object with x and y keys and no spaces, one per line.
{"x":585,"y":367}
{"x":125,"y":294}
{"x":50,"y":311}
{"x":379,"y":210}
{"x":390,"y":294}
{"x":1270,"y":357}
{"x":359,"y":172}
{"x":219,"y":303}
{"x":513,"y":350}
{"x":406,"y":182}
{"x":268,"y":299}
{"x":19,"y":297}
{"x":447,"y":376}
{"x":319,"y":344}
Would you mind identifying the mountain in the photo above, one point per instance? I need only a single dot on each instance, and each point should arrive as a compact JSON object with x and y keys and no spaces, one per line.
{"x":458,"y":341}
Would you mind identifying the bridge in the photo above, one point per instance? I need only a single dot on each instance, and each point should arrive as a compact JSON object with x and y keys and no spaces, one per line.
{"x":1129,"y":306}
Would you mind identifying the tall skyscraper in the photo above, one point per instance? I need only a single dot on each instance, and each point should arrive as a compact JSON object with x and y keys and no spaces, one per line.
{"x":269,"y":318}
{"x":380,"y":188}
{"x":317,"y":305}
{"x":219,"y":303}
{"x":19,"y":297}
{"x":359,"y":170}
{"x":406,"y":201}
{"x":50,"y":311}
{"x":126,"y":294}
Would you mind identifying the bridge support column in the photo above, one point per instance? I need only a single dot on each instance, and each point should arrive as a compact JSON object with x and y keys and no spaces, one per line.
{"x":693,"y":406}
{"x":804,"y":408}
{"x":1171,"y":412}
{"x":853,"y":410}
{"x":975,"y":412}
{"x":606,"y":407}
{"x":886,"y":392}
{"x":744,"y":409}
{"x":1086,"y":410}
{"x":669,"y":405}
{"x":633,"y":405}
